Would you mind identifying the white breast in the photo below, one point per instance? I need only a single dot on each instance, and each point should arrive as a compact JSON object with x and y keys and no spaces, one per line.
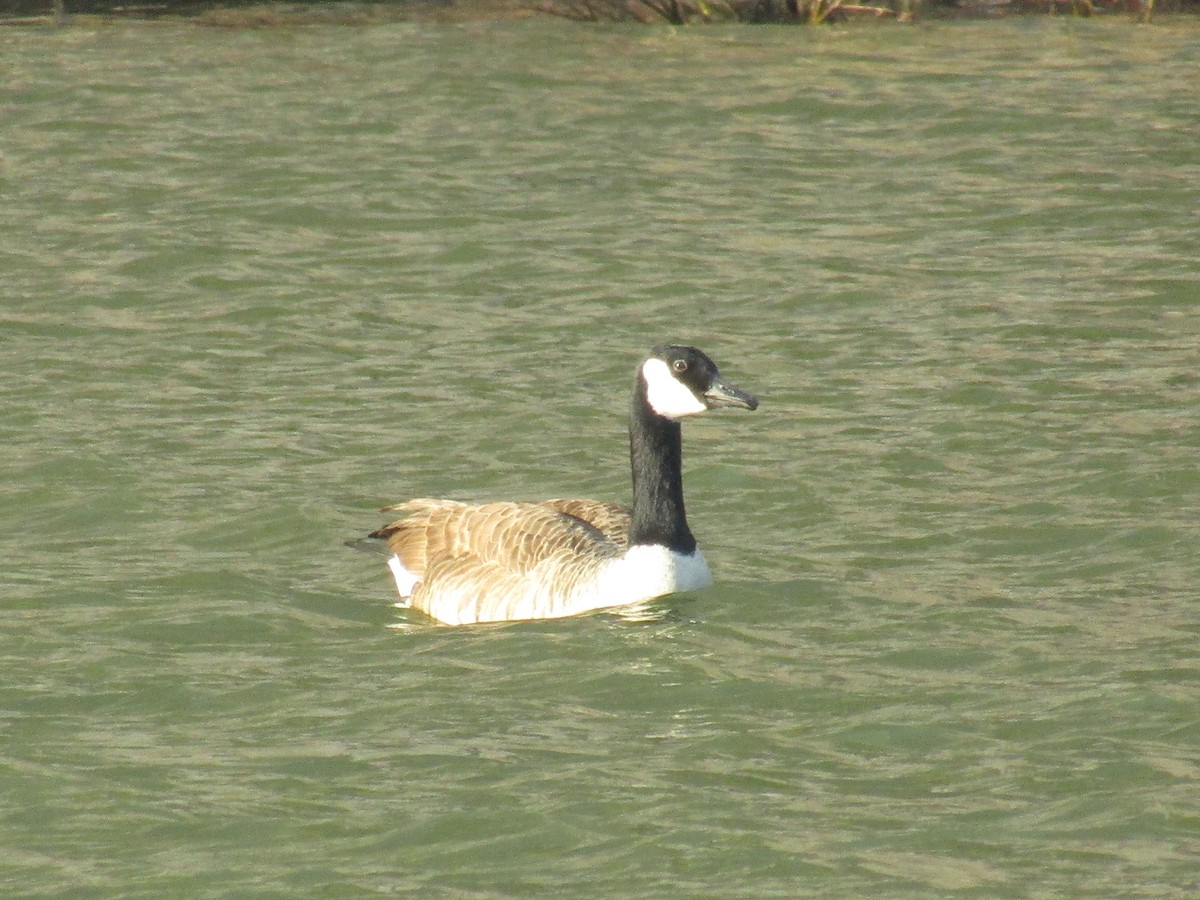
{"x":643,"y":573}
{"x":647,"y":571}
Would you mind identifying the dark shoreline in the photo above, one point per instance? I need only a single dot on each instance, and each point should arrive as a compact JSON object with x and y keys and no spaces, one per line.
{"x":266,"y":14}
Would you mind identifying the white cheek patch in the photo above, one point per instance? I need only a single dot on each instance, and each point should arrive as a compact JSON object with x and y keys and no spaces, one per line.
{"x":666,"y":395}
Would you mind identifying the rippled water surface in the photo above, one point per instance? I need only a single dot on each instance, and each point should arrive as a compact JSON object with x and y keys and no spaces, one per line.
{"x":258,"y":283}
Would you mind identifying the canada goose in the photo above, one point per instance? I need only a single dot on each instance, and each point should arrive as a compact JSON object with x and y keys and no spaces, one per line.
{"x":498,"y":562}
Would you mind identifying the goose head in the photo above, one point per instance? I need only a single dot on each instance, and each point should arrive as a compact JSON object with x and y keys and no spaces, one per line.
{"x":678,"y":381}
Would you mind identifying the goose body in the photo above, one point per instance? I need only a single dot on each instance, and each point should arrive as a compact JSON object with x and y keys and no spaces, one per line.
{"x":494,"y":562}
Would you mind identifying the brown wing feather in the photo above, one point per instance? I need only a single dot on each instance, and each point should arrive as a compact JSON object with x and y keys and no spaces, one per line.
{"x":515,"y":537}
{"x":611,"y":519}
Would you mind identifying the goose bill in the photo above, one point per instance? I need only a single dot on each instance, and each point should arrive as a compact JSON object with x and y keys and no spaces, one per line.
{"x":721,"y":394}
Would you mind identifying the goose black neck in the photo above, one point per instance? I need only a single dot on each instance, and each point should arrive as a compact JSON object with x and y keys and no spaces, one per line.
{"x":656,"y":455}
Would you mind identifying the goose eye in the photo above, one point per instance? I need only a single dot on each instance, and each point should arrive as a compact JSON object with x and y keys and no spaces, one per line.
{"x":680,"y":365}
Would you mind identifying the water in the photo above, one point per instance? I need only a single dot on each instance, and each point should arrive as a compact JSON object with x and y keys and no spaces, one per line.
{"x":258,"y":283}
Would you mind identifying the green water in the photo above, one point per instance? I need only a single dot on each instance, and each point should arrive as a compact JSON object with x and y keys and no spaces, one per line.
{"x":258,"y":283}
